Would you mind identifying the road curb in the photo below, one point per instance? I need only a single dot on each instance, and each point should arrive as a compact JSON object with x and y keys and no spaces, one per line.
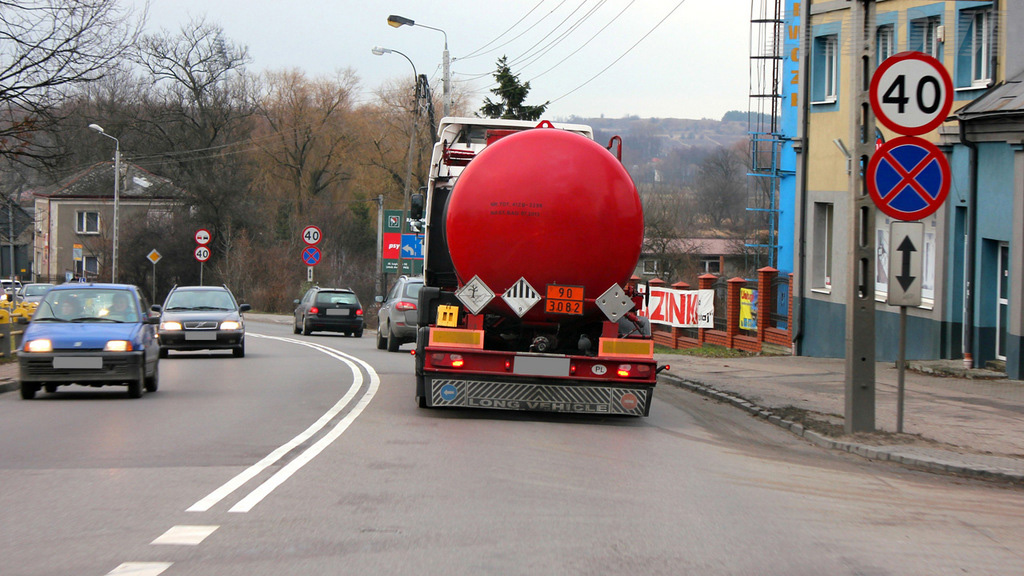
{"x":8,"y":385}
{"x":863,"y":450}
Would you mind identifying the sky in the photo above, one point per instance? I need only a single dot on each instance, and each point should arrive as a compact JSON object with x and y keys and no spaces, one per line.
{"x":653,"y":58}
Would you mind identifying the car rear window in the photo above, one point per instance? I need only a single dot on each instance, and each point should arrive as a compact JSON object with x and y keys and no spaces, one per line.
{"x":412,"y":289}
{"x":336,"y":299}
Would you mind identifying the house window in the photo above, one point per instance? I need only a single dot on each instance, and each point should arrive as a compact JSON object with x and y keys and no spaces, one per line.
{"x":885,"y":42}
{"x":976,"y":40}
{"x":90,"y":267}
{"x":650,"y":266}
{"x":823,"y":231}
{"x":825,"y":71}
{"x":926,"y":36}
{"x":711,"y":266}
{"x":87,"y":222}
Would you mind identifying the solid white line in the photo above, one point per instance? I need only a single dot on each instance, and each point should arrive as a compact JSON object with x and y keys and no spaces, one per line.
{"x":185,"y":535}
{"x":140,"y":569}
{"x":238,"y":481}
{"x":292,"y":467}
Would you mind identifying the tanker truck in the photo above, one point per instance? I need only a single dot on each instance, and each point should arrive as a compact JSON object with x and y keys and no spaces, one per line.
{"x":531,"y":234}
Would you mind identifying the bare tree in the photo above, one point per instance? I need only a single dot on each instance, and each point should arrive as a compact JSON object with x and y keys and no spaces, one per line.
{"x":202,"y":103}
{"x":721,"y":188}
{"x":47,"y":48}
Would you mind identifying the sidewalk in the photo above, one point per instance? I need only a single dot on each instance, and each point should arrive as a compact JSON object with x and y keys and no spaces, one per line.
{"x":970,"y":425}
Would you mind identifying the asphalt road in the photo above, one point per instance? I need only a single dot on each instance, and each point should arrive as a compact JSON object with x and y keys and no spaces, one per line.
{"x":299,"y":460}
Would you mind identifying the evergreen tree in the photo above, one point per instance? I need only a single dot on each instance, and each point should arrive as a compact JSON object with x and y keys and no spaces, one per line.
{"x":511,"y":96}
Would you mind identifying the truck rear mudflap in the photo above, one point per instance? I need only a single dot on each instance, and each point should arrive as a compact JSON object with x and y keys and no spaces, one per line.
{"x":444,"y":391}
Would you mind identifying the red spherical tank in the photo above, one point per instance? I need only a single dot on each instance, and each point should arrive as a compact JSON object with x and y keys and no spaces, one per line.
{"x":550,"y":206}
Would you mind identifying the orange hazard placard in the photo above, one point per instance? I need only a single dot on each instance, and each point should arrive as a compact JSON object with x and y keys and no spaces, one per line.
{"x":564,"y":299}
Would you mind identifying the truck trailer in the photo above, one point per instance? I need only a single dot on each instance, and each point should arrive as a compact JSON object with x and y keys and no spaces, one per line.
{"x":531,"y":236}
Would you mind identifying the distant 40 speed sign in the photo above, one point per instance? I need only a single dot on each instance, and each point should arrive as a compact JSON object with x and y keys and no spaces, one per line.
{"x":911,"y":93}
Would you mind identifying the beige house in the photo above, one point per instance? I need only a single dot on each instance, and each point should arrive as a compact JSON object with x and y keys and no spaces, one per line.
{"x":74,"y":219}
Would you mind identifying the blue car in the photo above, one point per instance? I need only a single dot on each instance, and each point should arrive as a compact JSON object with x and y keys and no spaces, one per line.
{"x":91,"y":335}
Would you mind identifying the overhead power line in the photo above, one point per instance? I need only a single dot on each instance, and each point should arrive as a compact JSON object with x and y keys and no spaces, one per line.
{"x":628,"y":50}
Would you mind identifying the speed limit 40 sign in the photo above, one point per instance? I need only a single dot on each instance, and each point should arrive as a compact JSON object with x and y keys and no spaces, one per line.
{"x":911,"y":93}
{"x":202,"y":253}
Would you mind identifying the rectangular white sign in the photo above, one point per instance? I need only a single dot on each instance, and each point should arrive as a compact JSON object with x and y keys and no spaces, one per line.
{"x":681,"y":308}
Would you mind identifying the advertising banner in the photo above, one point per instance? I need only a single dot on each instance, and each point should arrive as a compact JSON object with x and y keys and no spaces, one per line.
{"x":681,"y":308}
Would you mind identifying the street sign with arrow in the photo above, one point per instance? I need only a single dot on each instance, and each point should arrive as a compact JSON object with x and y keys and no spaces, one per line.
{"x":905,"y":263}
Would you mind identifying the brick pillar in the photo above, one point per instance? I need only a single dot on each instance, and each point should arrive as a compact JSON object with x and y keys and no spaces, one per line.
{"x":765,"y":300}
{"x":732,"y":309}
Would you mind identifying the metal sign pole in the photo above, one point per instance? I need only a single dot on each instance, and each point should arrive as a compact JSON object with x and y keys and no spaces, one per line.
{"x":902,"y":365}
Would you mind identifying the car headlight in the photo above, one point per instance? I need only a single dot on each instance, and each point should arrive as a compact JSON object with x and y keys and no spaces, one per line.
{"x":170,"y":325}
{"x":230,"y":325}
{"x":118,"y":346}
{"x":40,"y":345}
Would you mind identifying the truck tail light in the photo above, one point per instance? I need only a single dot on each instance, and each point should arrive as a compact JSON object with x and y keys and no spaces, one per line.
{"x":633,"y":370}
{"x":453,"y":360}
{"x":508,"y":365}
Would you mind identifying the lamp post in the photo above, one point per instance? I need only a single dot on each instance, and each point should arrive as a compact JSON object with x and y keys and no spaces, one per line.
{"x":117,"y":196}
{"x":379,"y":51}
{"x":398,"y":21}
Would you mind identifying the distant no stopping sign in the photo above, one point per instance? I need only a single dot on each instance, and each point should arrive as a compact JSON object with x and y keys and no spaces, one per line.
{"x":311,"y":255}
{"x":908,"y":178}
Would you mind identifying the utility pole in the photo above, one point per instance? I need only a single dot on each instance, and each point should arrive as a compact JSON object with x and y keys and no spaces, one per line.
{"x":860,"y":301}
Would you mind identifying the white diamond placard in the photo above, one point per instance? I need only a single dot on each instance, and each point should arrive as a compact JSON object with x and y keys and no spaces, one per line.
{"x":520,"y":297}
{"x":614,"y":303}
{"x":475,"y":295}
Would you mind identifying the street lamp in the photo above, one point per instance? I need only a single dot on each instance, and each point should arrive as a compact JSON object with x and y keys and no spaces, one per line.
{"x":397,"y":22}
{"x":117,"y":195}
{"x":379,"y":51}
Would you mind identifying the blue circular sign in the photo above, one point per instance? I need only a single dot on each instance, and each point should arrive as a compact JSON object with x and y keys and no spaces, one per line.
{"x":311,"y":255}
{"x":449,"y":392}
{"x":908,"y":178}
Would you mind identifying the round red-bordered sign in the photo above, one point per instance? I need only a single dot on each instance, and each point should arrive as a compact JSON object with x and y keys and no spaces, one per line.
{"x":908,"y":178}
{"x":911,"y":93}
{"x":311,"y":235}
{"x":311,"y":256}
{"x":202,"y":253}
{"x":202,"y":236}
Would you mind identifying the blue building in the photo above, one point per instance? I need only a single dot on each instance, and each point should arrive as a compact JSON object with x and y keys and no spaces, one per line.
{"x":973,"y":254}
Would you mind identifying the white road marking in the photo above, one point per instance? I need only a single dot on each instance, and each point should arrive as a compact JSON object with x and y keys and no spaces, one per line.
{"x":185,"y":535}
{"x":140,"y":569}
{"x":277,"y":479}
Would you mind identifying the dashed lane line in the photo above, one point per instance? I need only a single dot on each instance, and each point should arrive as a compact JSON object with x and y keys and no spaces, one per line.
{"x":185,"y":535}
{"x":277,"y":479}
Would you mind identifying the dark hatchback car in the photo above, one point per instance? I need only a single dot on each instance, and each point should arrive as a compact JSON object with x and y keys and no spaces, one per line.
{"x":396,"y":320}
{"x":329,"y":310}
{"x":91,"y":335}
{"x":202,"y":318}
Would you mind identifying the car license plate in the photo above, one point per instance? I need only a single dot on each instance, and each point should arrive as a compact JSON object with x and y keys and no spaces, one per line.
{"x":77,"y":363}
{"x":204,"y":335}
{"x":337,"y":311}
